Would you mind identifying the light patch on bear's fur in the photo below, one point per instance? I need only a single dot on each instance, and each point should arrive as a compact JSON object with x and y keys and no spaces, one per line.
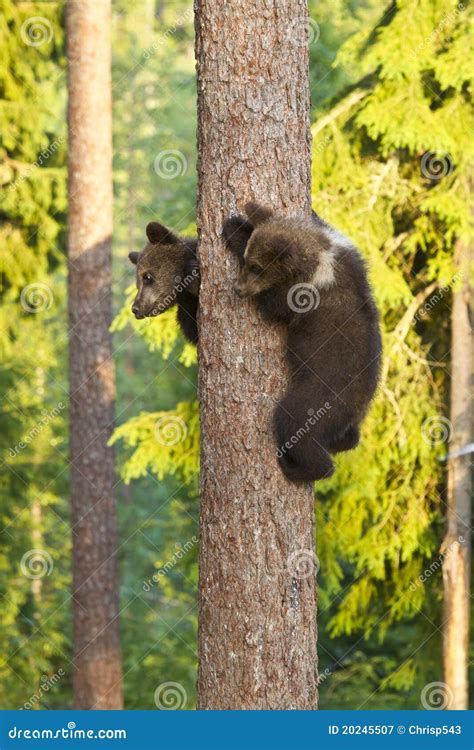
{"x":337,"y":238}
{"x":324,"y":275}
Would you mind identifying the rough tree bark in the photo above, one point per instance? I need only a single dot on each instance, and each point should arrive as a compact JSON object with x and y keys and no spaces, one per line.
{"x":457,"y":544}
{"x":257,"y":627}
{"x":97,"y":676}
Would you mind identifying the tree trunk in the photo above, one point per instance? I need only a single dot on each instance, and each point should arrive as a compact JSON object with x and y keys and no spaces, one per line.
{"x":97,"y":675}
{"x":257,"y":627}
{"x":457,"y":544}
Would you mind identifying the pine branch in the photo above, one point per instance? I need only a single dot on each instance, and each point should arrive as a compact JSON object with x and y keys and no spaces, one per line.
{"x":403,"y":325}
{"x":343,"y":107}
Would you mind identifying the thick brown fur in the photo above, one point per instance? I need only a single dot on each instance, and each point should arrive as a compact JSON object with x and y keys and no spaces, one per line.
{"x":305,"y":274}
{"x":167,"y":275}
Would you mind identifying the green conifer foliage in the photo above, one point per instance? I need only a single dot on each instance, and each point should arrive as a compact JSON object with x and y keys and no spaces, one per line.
{"x":34,"y":538}
{"x":391,"y":162}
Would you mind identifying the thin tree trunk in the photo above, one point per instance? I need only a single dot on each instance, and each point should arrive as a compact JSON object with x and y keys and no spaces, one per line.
{"x":36,"y":583}
{"x":97,"y":675}
{"x":129,"y":362}
{"x":38,"y":541}
{"x":457,"y":544}
{"x":257,"y":627}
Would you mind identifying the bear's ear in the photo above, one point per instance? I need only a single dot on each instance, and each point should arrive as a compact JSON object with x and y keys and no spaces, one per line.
{"x":159,"y":234}
{"x":257,"y":213}
{"x":133,"y":258}
{"x":236,"y":232}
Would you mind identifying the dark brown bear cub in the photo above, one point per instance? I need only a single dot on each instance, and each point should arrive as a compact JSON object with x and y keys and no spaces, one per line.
{"x":305,"y":274}
{"x":167,"y":275}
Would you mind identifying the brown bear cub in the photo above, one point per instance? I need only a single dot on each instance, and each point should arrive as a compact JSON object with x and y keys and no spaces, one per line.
{"x":167,"y":275}
{"x":305,"y":274}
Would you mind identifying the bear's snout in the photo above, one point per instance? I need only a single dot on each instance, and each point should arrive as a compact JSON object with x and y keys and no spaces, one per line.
{"x":136,"y":311}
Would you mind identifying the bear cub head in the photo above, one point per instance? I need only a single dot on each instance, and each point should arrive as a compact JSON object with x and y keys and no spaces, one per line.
{"x":284,"y":251}
{"x":166,"y":270}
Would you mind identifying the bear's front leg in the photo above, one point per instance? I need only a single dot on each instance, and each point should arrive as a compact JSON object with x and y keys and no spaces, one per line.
{"x":192,"y":276}
{"x":273,"y":304}
{"x":187,"y":316}
{"x":236,"y":232}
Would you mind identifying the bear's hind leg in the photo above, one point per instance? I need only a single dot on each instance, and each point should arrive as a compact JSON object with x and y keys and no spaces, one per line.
{"x":302,"y":455}
{"x":345,"y":441}
{"x":321,"y":467}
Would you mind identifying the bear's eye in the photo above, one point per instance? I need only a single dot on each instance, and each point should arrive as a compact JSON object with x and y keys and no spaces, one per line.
{"x":253,"y":268}
{"x":147,"y":278}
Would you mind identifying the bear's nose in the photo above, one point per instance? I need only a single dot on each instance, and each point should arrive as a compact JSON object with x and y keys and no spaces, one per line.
{"x":135,"y":310}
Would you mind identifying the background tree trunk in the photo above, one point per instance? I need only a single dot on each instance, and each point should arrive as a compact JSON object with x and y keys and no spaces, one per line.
{"x":457,"y":544}
{"x":97,"y":660}
{"x":257,"y":627}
